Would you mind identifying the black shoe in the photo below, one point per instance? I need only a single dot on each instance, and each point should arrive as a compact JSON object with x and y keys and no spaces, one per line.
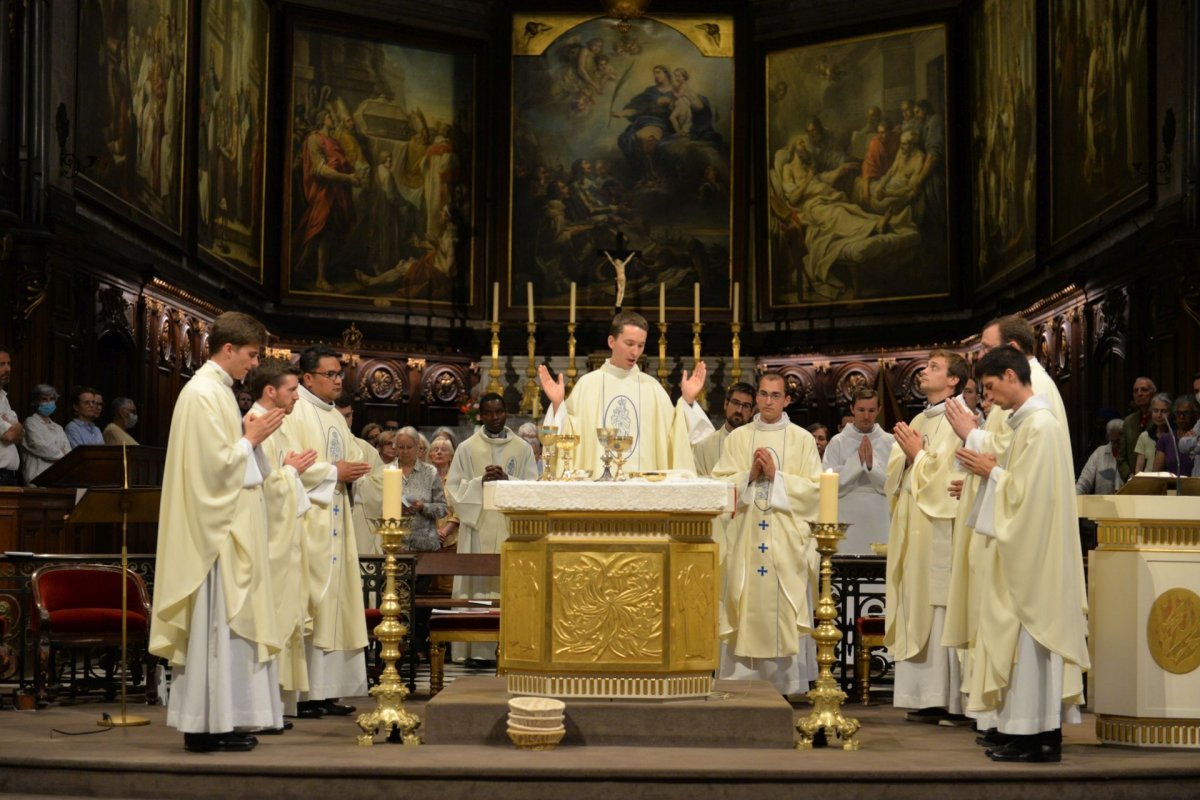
{"x":1027,"y":750}
{"x":310,"y":709}
{"x":956,"y":721}
{"x":287,"y":726}
{"x":336,"y":709}
{"x":929,"y":716}
{"x":219,"y":742}
{"x":993,"y":738}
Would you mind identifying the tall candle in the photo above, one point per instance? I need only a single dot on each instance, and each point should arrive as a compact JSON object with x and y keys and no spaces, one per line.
{"x":496,"y":301}
{"x":828,"y":510}
{"x":662,"y":302}
{"x":529,"y":297}
{"x":737,"y":295}
{"x":572,"y":302}
{"x":393,"y":492}
{"x":696,"y":303}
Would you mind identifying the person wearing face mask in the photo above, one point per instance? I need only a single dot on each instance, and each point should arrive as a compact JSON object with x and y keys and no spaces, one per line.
{"x":45,"y":440}
{"x":124,"y":417}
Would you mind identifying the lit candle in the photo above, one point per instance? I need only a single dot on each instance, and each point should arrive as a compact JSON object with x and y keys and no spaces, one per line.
{"x":696,"y":303}
{"x":662,"y":302}
{"x":737,"y":295}
{"x":393,"y":492}
{"x":496,"y":302}
{"x":529,"y":297}
{"x":572,"y":302}
{"x":828,"y":511}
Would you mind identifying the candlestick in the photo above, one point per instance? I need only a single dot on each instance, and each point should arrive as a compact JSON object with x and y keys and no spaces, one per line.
{"x":735,"y":365}
{"x":695,"y":304}
{"x":701,"y":398}
{"x":572,"y":319}
{"x":393,"y":492}
{"x":737,"y":294}
{"x":828,"y":510}
{"x":529,"y":298}
{"x":571,"y":371}
{"x":529,"y":399}
{"x":496,"y":301}
{"x":662,"y":303}
{"x":663,"y":372}
{"x":494,"y":384}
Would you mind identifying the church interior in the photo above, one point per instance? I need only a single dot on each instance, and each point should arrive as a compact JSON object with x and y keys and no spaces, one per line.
{"x":452,"y":194}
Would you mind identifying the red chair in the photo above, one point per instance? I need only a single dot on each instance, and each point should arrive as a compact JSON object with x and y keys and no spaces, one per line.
{"x":78,"y":606}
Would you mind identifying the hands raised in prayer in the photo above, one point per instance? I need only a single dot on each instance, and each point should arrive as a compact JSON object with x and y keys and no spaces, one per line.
{"x":691,"y":385}
{"x":960,"y":418}
{"x":350,"y":471}
{"x":981,"y":464}
{"x":866,"y":453}
{"x":494,"y":472}
{"x":555,"y":390}
{"x":300,"y":461}
{"x":763,"y":465}
{"x":909,"y":440}
{"x":257,"y":427}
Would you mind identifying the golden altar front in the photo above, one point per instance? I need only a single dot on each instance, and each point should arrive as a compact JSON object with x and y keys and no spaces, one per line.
{"x":609,"y":590}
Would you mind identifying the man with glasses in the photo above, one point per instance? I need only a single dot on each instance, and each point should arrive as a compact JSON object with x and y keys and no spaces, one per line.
{"x":739,"y":407}
{"x":859,"y":454}
{"x":771,"y":561}
{"x":87,"y":405}
{"x":334,"y":648}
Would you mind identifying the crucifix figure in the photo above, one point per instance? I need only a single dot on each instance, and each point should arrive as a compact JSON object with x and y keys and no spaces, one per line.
{"x":620,"y":257}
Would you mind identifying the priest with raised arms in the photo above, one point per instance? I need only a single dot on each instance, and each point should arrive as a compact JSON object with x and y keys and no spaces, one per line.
{"x":772,"y":561}
{"x":619,"y":395}
{"x":859,"y":455}
{"x":214,"y":613}
{"x":1030,"y":647}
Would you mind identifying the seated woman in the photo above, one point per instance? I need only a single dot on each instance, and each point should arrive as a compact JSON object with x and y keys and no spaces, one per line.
{"x":45,"y":440}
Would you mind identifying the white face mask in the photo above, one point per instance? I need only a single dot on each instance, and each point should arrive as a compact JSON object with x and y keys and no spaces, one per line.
{"x":130,"y":420}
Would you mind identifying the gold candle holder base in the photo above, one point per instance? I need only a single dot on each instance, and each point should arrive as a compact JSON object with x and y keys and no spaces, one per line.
{"x":827,"y":697}
{"x":663,"y":372}
{"x":390,"y":714}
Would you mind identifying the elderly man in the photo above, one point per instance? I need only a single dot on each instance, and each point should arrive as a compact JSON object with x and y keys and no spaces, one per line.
{"x":124,"y":417}
{"x":1143,"y":391}
{"x":1100,"y":474}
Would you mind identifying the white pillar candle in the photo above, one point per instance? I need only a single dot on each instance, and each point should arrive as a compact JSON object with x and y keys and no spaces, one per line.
{"x":828,"y":510}
{"x":696,"y":303}
{"x":529,"y":297}
{"x":662,"y":302}
{"x":496,"y":301}
{"x":572,"y":302}
{"x":737,"y":296}
{"x":393,"y":492}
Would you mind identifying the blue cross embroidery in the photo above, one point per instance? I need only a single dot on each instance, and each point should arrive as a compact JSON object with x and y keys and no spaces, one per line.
{"x":763,"y":525}
{"x":761,"y":571}
{"x":337,"y":510}
{"x":762,"y":548}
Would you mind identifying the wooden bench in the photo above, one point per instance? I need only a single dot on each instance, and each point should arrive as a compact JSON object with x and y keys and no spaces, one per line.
{"x":444,"y":628}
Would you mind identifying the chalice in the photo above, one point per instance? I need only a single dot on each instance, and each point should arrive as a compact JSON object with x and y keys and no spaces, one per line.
{"x":604,"y":435}
{"x":566,"y":443}
{"x":548,"y":436}
{"x":621,"y":443}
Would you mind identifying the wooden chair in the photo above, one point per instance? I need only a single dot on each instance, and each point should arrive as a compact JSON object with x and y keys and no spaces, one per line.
{"x":444,"y":628}
{"x":869,"y":630}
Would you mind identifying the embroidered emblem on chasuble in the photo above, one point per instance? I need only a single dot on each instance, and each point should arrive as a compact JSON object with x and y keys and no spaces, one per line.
{"x":622,"y":414}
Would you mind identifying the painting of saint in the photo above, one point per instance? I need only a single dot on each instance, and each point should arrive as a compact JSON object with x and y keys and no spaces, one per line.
{"x":129,"y":104}
{"x":229,"y":156}
{"x":621,"y":140}
{"x":379,"y":198}
{"x":1003,"y":137}
{"x":856,"y":171}
{"x":1099,"y":126}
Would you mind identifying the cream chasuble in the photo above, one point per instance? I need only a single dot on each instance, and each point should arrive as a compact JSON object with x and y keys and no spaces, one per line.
{"x":772,"y":559}
{"x":707,"y":452}
{"x":918,"y":560}
{"x":861,"y":501}
{"x":636,"y":404}
{"x":368,"y":501}
{"x":1031,"y":568}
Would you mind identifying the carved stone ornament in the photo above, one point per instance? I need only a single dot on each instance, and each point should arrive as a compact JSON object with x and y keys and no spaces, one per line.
{"x":379,"y":383}
{"x":442,"y":386}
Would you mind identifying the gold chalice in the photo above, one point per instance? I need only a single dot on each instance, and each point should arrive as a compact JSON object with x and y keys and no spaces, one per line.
{"x":620,"y":444}
{"x":605,"y":435}
{"x":548,"y":436}
{"x":567,"y":442}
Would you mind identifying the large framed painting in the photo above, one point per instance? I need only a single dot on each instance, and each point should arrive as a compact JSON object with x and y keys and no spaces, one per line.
{"x":1003,"y":54}
{"x":1099,"y":117}
{"x":379,"y":195}
{"x":857,"y":170}
{"x":230,"y":155}
{"x":621,"y":141}
{"x":129,"y":108}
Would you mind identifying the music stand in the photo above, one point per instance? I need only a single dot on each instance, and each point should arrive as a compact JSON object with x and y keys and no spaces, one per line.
{"x":122,"y":505}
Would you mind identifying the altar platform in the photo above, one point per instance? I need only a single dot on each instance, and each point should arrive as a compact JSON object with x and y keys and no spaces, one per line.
{"x":898,"y":760}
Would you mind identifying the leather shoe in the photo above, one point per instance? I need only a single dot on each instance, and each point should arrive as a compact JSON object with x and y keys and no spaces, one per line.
{"x":1027,"y":750}
{"x":993,"y":738}
{"x":219,"y":742}
{"x":336,"y":709}
{"x":310,"y":709}
{"x":287,"y":726}
{"x":929,"y":716}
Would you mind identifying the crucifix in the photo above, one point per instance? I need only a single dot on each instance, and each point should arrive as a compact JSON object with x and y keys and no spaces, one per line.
{"x":620,"y":257}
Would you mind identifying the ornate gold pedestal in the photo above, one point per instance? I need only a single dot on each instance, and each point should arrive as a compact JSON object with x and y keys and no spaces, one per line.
{"x":826,"y":697}
{"x":390,"y":714}
{"x":602,"y":601}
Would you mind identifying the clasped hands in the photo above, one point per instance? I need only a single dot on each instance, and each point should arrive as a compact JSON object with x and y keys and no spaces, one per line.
{"x":763,"y":466}
{"x":866,"y":453}
{"x":494,"y":472}
{"x":910,"y":441}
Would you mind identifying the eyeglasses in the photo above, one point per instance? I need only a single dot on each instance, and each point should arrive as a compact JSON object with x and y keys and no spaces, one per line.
{"x":333,"y":375}
{"x":740,"y":404}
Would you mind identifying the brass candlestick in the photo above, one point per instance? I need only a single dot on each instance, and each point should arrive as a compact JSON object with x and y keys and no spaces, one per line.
{"x":571,"y":371}
{"x":701,"y":398}
{"x":827,"y":697}
{"x":494,"y":384}
{"x":529,"y":400}
{"x":663,"y":372}
{"x":390,"y":692}
{"x":735,"y":367}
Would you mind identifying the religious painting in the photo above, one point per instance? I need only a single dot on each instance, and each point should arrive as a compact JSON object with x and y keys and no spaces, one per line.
{"x":1003,"y":138}
{"x":379,"y":203}
{"x":621,"y":161}
{"x":1099,"y":123}
{"x":129,"y":107}
{"x":230,"y":129}
{"x":856,"y":170}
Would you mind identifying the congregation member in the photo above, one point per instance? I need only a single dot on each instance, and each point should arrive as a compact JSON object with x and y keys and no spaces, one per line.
{"x":371,"y":431}
{"x":859,"y":454}
{"x":422,"y":447}
{"x":1030,"y":648}
{"x":86,"y":404}
{"x":214,"y":615}
{"x":1158,"y":426}
{"x":424,"y":498}
{"x":11,"y":429}
{"x":334,"y":646}
{"x":1143,"y":392}
{"x":619,"y":395}
{"x":1168,"y":455}
{"x":441,"y":456}
{"x":771,"y":565}
{"x":45,"y":441}
{"x":1100,"y":475}
{"x":971,"y":398}
{"x":124,"y":417}
{"x":920,"y":469}
{"x":492,"y":453}
{"x":385,"y":446}
{"x":447,"y":434}
{"x":528,"y":432}
{"x":738,"y":408}
{"x":820,"y":434}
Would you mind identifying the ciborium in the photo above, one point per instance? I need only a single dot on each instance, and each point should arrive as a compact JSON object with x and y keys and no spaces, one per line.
{"x":604,"y":435}
{"x":390,"y":714}
{"x":827,"y":697}
{"x":620,"y":444}
{"x":566,"y":442}
{"x":548,"y":436}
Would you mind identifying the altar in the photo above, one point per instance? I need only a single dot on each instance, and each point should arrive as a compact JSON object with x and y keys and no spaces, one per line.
{"x":609,"y":590}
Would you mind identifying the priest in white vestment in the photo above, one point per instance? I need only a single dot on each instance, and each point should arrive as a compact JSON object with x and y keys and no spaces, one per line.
{"x":859,"y":455}
{"x":214,"y":612}
{"x":920,"y":469}
{"x":739,"y":408}
{"x":619,"y":395}
{"x":492,"y":453}
{"x":771,"y":565}
{"x":336,"y":662}
{"x":1030,"y":647}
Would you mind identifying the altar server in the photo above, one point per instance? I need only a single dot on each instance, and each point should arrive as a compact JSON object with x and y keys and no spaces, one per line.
{"x":859,"y":454}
